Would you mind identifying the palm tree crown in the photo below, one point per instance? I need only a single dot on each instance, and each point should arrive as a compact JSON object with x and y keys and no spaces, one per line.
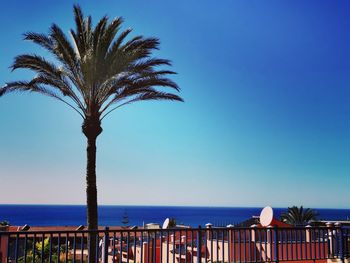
{"x":98,"y":71}
{"x":298,"y":215}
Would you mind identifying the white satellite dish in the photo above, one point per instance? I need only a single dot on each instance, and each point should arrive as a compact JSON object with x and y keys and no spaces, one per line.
{"x":166,"y":223}
{"x":266,"y":216}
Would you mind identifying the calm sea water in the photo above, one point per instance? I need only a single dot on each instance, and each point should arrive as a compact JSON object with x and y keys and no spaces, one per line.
{"x":73,"y":215}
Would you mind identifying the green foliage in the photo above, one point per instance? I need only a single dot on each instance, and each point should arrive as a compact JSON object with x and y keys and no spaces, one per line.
{"x":125,"y":219}
{"x":4,"y":223}
{"x":299,"y":216}
{"x":41,"y":249}
{"x":98,"y":70}
{"x":172,"y":222}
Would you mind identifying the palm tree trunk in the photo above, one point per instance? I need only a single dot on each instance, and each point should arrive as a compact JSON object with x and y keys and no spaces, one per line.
{"x":91,"y":128}
{"x":91,"y":189}
{"x":91,"y":196}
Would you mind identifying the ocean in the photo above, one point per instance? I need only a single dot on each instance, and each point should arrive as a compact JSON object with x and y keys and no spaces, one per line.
{"x":74,"y":215}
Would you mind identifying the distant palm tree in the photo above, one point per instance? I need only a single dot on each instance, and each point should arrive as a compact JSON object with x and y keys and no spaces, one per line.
{"x":94,"y":74}
{"x":125,"y":219}
{"x":4,"y":223}
{"x":298,"y":215}
{"x":172,"y":222}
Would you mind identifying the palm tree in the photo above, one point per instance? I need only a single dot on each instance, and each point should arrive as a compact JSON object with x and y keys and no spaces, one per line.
{"x":4,"y":223}
{"x":172,"y":222}
{"x":125,"y":219}
{"x":95,"y":73}
{"x":298,"y":215}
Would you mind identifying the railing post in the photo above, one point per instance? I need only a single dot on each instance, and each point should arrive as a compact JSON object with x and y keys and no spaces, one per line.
{"x":346,"y":243}
{"x":340,"y":241}
{"x":330,"y":240}
{"x":105,"y":246}
{"x":308,"y":234}
{"x":253,"y":232}
{"x":275,"y":239}
{"x":199,"y":245}
{"x":208,"y":226}
{"x":253,"y":239}
{"x":4,"y":243}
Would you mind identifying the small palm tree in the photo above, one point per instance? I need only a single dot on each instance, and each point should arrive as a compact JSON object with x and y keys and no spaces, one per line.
{"x":298,"y":216}
{"x":172,"y":222}
{"x":95,"y":73}
{"x":4,"y":223}
{"x":125,"y":219}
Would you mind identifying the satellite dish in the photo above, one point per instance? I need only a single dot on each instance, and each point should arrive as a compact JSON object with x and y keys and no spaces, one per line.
{"x":166,"y":223}
{"x":266,"y":216}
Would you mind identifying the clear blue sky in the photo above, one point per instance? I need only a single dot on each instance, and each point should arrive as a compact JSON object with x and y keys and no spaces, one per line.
{"x":265,"y":122}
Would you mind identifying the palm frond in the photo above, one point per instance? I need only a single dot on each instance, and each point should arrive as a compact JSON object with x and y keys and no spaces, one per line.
{"x":152,"y":81}
{"x":46,"y":71}
{"x":109,"y":34}
{"x":129,"y":86}
{"x":144,"y":96}
{"x":37,"y":88}
{"x":40,"y":39}
{"x":99,"y":32}
{"x":140,"y":42}
{"x":36,"y":63}
{"x":298,"y":215}
{"x":79,"y":36}
{"x":148,"y":65}
{"x":63,"y":48}
{"x":157,"y":96}
{"x":115,"y":47}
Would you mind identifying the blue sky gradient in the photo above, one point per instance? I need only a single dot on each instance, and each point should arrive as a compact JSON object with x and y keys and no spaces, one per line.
{"x":265,"y":120}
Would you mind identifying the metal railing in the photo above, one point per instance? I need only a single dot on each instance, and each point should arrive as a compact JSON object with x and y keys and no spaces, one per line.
{"x":183,"y":245}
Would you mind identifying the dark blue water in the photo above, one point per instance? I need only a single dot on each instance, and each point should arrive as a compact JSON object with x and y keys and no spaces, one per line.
{"x":63,"y":215}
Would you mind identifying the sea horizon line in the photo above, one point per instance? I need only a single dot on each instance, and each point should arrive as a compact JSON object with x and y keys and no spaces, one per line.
{"x":181,"y":206}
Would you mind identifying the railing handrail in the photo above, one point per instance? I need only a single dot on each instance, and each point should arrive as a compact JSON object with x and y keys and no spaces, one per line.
{"x":139,"y":229}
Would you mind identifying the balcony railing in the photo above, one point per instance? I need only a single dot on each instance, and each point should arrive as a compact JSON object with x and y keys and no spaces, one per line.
{"x":182,"y":245}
